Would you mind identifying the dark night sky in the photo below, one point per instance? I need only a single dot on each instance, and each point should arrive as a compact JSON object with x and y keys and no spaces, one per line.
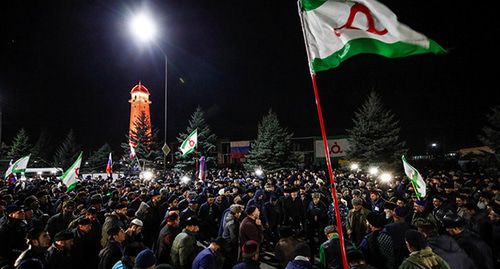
{"x":71,"y":64}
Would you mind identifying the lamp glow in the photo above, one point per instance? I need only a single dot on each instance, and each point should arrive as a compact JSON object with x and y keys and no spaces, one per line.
{"x":354,"y":166}
{"x":185,"y":179}
{"x":143,"y":27}
{"x":373,"y":171}
{"x":259,"y":172}
{"x":385,"y":177}
{"x":147,"y":175}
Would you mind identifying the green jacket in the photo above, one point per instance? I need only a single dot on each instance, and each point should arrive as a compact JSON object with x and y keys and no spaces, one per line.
{"x":424,"y":259}
{"x":183,"y":249}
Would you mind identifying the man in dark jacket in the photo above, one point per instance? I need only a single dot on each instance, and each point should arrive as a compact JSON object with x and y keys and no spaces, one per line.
{"x":329,"y":252}
{"x":118,"y":218}
{"x":59,"y":254}
{"x":166,"y":238}
{"x":396,"y":231}
{"x":209,"y":215}
{"x":38,"y":242}
{"x":230,"y":234}
{"x":83,"y":248}
{"x":113,"y":251}
{"x":60,"y":221}
{"x":302,"y":252}
{"x":12,"y":234}
{"x":249,"y":256}
{"x":377,"y":245}
{"x":207,"y":258}
{"x":251,"y":227}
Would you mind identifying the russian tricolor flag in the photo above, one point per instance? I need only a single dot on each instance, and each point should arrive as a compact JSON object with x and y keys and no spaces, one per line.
{"x":109,"y":166}
{"x":239,"y":149}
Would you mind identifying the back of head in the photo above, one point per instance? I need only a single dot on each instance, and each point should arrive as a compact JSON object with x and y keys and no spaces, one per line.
{"x":415,"y":239}
{"x":302,"y":249}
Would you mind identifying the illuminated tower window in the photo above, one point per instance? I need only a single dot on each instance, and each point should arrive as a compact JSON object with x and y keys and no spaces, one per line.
{"x":139,"y":103}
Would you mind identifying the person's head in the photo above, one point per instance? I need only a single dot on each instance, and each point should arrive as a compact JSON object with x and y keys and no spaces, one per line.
{"x":173,"y":219}
{"x":91,"y":213}
{"x":250,"y":250}
{"x":356,"y":193}
{"x":355,"y":256}
{"x":437,"y":201}
{"x":68,"y":207}
{"x":454,"y":224}
{"x":401,"y":202}
{"x":252,"y":212}
{"x":64,"y":239}
{"x":192,"y":224}
{"x":217,"y":244}
{"x":428,"y":230}
{"x":330,"y":230}
{"x":460,"y":200}
{"x":135,"y":226}
{"x":316,"y":197}
{"x":374,"y":221}
{"x":193,"y":205}
{"x":121,"y":209}
{"x":14,"y":211}
{"x":357,"y":204}
{"x":494,"y":214}
{"x":145,"y":260}
{"x":419,"y":206}
{"x":117,"y":234}
{"x":294,"y":192}
{"x":415,"y":240}
{"x":131,"y":251}
{"x":84,"y":225}
{"x":38,"y":237}
{"x":236,"y":210}
{"x":302,"y":249}
{"x":374,"y":195}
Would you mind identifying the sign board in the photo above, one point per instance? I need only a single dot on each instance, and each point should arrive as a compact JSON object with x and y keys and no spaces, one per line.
{"x":337,"y":148}
{"x":165,"y":149}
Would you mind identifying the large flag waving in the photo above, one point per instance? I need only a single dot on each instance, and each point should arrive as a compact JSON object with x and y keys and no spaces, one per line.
{"x":18,"y":166}
{"x":70,"y":177}
{"x":336,"y":30}
{"x":416,"y":179}
{"x":190,"y":143}
{"x":109,"y":165}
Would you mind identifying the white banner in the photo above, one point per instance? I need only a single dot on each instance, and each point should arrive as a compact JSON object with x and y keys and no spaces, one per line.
{"x":337,"y":148}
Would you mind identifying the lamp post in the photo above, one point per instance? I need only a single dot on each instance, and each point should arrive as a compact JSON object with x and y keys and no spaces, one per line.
{"x":144,"y":29}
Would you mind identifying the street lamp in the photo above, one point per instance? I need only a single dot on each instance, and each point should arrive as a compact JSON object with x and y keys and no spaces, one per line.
{"x":144,"y":29}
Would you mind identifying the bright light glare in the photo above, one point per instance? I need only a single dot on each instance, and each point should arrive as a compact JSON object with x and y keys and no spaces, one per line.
{"x":385,"y":177}
{"x":354,"y":166}
{"x":143,"y":27}
{"x":434,"y":145}
{"x":259,"y":172}
{"x":373,"y":171}
{"x":147,"y":175}
{"x":185,"y":179}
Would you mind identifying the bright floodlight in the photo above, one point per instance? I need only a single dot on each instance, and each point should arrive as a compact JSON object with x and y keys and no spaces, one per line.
{"x":143,"y":27}
{"x":147,"y":175}
{"x":185,"y":179}
{"x":385,"y":177}
{"x":259,"y":172}
{"x":434,"y":145}
{"x":373,"y":171}
{"x":354,"y":166}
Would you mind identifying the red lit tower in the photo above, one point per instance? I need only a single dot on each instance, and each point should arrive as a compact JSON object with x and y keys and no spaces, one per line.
{"x":139,"y":102}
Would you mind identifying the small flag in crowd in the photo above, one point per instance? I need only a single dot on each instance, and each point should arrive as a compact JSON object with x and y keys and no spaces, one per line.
{"x":70,"y":177}
{"x":336,"y":30}
{"x":109,"y":165}
{"x":202,"y":172}
{"x":416,"y":179}
{"x":132,"y":152}
{"x":18,"y":166}
{"x":190,"y":143}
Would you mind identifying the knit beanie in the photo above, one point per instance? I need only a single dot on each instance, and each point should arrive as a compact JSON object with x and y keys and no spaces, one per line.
{"x":145,"y":259}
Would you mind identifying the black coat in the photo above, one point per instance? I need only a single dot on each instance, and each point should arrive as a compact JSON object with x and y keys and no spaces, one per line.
{"x":447,"y":248}
{"x":12,"y":239}
{"x":476,"y":248}
{"x":59,"y":258}
{"x":110,"y":255}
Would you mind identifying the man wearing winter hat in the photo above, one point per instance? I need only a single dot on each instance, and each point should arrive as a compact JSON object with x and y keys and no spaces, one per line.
{"x":59,"y":254}
{"x":422,"y":214}
{"x":377,"y":239}
{"x":12,"y":234}
{"x":166,"y":238}
{"x":184,"y":248}
{"x":421,"y":255}
{"x":145,"y":260}
{"x":251,"y":227}
{"x":38,"y":242}
{"x":329,"y":251}
{"x":249,"y":256}
{"x":302,"y":252}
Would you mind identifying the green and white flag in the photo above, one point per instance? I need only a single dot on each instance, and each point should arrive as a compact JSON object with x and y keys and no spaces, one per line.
{"x":18,"y":166}
{"x":336,"y":30}
{"x":70,"y":177}
{"x":190,"y":143}
{"x":416,"y":179}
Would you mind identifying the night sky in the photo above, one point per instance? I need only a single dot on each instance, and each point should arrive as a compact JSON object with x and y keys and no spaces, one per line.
{"x":71,"y":64}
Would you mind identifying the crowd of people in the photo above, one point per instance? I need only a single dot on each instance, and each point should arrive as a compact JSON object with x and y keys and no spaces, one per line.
{"x":233,"y":218}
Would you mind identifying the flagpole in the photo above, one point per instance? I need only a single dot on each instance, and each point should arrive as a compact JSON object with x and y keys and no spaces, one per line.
{"x":325,"y":148}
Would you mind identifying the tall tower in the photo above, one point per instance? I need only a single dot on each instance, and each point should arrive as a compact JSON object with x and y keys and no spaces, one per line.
{"x":139,"y":102}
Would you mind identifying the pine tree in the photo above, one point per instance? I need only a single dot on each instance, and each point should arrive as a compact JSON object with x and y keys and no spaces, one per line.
{"x":206,"y":142}
{"x":491,"y":137}
{"x":67,"y":152}
{"x":374,"y":138}
{"x":42,"y":150}
{"x":146,"y":145}
{"x":272,"y":149}
{"x":20,"y":146}
{"x":98,"y":160}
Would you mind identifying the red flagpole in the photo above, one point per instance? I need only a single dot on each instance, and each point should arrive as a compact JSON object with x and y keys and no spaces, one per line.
{"x":330,"y":172}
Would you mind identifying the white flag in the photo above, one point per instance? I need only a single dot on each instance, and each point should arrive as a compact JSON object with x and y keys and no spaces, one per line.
{"x":70,"y":177}
{"x":190,"y":143}
{"x":415,"y":177}
{"x":18,"y":166}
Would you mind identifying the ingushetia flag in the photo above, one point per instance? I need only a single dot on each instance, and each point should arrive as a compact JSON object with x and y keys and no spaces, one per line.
{"x":190,"y":143}
{"x":336,"y":30}
{"x":415,"y":177}
{"x":70,"y":177}
{"x":17,"y":167}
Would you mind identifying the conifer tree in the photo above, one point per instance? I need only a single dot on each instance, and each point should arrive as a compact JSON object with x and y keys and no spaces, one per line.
{"x":20,"y":146}
{"x":272,"y":148}
{"x":491,"y":137}
{"x":67,"y":152}
{"x":206,"y":143}
{"x":374,"y":138}
{"x":98,"y":160}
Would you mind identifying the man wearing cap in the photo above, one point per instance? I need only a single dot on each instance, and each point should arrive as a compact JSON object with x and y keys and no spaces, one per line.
{"x":422,"y":214}
{"x":134,"y":232}
{"x":113,"y":251}
{"x":302,"y":254}
{"x":251,"y":227}
{"x":249,"y":256}
{"x":330,"y":255}
{"x":396,"y":230}
{"x":421,"y":256}
{"x":184,"y":248}
{"x":207,"y":258}
{"x":145,"y":260}
{"x":153,"y":218}
{"x":190,"y":211}
{"x":166,"y":238}
{"x":117,"y":218}
{"x":59,"y":254}
{"x":12,"y":234}
{"x":61,"y":221}
{"x":377,"y":245}
{"x":293,"y":211}
{"x":230,"y":234}
{"x":316,"y":219}
{"x":209,"y":215}
{"x":476,"y":248}
{"x":356,"y":221}
{"x":38,"y":243}
{"x":83,"y":249}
